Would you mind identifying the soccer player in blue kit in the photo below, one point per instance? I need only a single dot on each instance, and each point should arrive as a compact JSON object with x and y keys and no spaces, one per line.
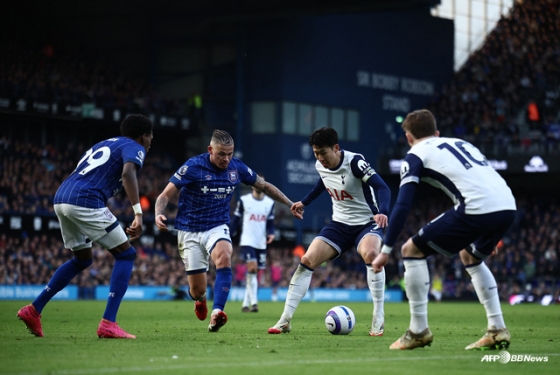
{"x":360,"y":201}
{"x":205,"y":184}
{"x":254,"y":214}
{"x":80,"y":205}
{"x":484,"y":208}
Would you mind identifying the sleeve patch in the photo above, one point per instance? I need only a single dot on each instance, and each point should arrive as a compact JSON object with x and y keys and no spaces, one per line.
{"x":405,"y":168}
{"x":366,"y":169}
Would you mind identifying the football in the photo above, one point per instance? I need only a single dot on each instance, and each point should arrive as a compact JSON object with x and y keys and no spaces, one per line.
{"x":340,"y":320}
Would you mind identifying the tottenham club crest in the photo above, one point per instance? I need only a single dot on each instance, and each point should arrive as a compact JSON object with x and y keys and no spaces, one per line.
{"x":232,"y":175}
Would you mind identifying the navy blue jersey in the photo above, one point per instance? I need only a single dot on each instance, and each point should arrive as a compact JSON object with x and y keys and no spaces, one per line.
{"x":98,"y":175}
{"x":206,"y":192}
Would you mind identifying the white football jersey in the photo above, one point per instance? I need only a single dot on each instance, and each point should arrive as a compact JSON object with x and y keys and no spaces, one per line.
{"x":254,"y":214}
{"x":461,"y":171}
{"x":352,"y":198}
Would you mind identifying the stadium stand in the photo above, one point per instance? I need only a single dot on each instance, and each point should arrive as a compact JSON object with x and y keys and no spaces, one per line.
{"x":485,"y":103}
{"x":66,"y":74}
{"x":527,"y":261}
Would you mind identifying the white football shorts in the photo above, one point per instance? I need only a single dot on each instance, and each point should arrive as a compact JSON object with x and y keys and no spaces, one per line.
{"x":195,"y":247}
{"x":80,"y":226}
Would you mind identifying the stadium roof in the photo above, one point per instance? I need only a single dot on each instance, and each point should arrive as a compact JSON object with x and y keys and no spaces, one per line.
{"x":195,"y":17}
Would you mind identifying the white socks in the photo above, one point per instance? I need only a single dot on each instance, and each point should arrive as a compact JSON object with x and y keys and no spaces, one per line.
{"x":417,"y":280}
{"x":487,"y":292}
{"x":251,"y":290}
{"x":376,"y":285}
{"x":299,"y":284}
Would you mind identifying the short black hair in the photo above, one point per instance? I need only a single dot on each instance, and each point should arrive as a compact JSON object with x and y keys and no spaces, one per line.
{"x":134,"y":126}
{"x":323,"y":137}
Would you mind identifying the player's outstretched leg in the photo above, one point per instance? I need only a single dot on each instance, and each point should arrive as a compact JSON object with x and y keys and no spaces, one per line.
{"x":32,"y":319}
{"x":299,"y":284}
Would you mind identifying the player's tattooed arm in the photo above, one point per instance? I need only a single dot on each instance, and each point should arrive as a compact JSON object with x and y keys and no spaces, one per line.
{"x":275,"y":193}
{"x":272,"y":191}
{"x":161,"y":204}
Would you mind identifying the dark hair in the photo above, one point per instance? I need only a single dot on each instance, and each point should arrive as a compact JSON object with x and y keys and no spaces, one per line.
{"x":323,"y":137}
{"x":420,"y":123}
{"x":134,"y":126}
{"x":222,"y":137}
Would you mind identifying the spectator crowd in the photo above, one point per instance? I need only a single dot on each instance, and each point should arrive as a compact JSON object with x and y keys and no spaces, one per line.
{"x":64,"y":73}
{"x":508,"y":76}
{"x":527,"y":261}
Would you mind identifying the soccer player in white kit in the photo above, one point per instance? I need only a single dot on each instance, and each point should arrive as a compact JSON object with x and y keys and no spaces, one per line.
{"x":484,"y":208}
{"x":360,"y":201}
{"x":254,"y":213}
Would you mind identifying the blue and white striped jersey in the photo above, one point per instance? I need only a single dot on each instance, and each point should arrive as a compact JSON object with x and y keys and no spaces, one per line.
{"x":206,"y":192}
{"x":98,"y":175}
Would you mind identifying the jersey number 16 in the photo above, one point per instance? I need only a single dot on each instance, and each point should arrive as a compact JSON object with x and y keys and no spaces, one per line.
{"x":461,"y":150}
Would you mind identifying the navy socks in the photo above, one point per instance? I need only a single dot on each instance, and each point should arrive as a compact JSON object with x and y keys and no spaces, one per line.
{"x":222,"y":285}
{"x":119,"y":282}
{"x":61,"y":278}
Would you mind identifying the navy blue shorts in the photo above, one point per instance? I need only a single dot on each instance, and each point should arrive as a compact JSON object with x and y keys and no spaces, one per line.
{"x":344,"y":237}
{"x":248,"y":253}
{"x":452,"y":232}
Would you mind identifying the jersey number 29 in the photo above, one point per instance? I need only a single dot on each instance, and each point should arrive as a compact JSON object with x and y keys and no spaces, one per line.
{"x":94,"y":159}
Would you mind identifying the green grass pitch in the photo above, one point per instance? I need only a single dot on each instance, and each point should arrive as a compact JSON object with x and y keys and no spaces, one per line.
{"x":172,"y":341}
